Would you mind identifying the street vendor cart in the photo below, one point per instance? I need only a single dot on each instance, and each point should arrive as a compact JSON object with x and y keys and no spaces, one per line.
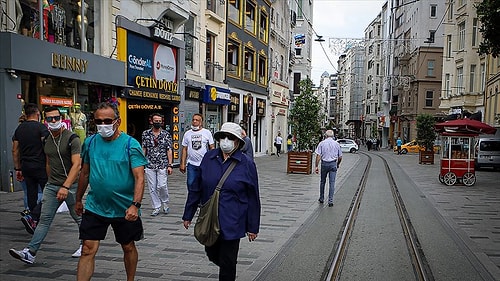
{"x":457,"y":151}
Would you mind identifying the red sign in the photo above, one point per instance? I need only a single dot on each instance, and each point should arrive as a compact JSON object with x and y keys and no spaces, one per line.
{"x":56,"y":101}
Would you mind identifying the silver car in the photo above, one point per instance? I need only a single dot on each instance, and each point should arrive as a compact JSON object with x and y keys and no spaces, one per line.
{"x":348,"y":145}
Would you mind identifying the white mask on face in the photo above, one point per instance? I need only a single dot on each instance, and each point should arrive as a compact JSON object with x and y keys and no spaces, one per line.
{"x":226,"y":145}
{"x":54,"y":126}
{"x":106,"y":131}
{"x":195,"y":128}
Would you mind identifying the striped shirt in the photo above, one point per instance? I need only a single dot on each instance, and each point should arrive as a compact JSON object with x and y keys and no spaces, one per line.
{"x":329,"y":150}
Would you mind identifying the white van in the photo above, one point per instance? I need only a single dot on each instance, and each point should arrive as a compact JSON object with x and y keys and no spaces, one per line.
{"x":487,"y":152}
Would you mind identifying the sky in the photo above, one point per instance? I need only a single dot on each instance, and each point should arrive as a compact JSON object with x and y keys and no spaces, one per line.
{"x":339,"y":19}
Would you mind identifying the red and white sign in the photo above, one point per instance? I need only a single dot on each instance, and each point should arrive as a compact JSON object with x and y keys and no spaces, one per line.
{"x":56,"y":101}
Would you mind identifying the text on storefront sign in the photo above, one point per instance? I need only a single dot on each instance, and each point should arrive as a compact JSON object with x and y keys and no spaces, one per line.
{"x":152,"y":83}
{"x":65,"y":62}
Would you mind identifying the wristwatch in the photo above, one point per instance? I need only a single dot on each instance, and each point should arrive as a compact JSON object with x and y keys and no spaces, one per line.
{"x":137,"y":204}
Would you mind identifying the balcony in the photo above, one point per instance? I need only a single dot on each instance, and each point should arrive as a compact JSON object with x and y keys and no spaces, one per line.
{"x":214,"y":71}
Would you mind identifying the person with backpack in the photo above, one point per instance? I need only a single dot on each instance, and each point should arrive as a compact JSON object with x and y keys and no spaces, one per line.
{"x":62,"y":149}
{"x":113,"y":164}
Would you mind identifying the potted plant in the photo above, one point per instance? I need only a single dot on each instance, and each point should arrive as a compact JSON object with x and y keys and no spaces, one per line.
{"x":425,"y":138}
{"x":305,"y":120}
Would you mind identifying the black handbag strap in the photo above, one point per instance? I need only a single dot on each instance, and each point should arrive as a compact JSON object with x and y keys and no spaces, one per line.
{"x":225,"y":175}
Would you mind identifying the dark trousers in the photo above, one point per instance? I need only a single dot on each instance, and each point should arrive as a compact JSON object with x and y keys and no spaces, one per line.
{"x":32,"y":184}
{"x":224,"y":253}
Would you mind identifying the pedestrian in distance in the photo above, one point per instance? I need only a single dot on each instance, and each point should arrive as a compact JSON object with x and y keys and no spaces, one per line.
{"x":195,"y":143}
{"x":113,"y":163}
{"x":248,"y":147}
{"x":157,"y":146}
{"x":62,"y":149}
{"x":399,"y":143}
{"x":30,"y":161}
{"x":239,"y":203}
{"x":289,"y":142}
{"x":278,"y":141}
{"x":330,"y":155}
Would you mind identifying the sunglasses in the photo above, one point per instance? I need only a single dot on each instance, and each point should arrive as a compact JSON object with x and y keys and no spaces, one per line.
{"x":107,"y":121}
{"x":53,"y":118}
{"x":229,"y":136}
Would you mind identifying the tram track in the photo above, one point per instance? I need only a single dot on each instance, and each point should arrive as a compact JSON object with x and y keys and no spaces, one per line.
{"x":421,"y":268}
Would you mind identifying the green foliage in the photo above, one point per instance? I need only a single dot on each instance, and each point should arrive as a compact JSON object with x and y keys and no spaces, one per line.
{"x":305,"y":117}
{"x":425,"y":131}
{"x":488,"y":12}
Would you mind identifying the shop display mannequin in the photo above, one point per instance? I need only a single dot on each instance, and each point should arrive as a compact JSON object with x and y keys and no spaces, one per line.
{"x":79,"y":122}
{"x":85,"y":23}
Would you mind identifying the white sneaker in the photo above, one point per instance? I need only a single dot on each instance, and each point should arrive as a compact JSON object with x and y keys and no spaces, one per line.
{"x":166,"y":209}
{"x":155,"y":212}
{"x":77,"y":253}
{"x":23,"y":255}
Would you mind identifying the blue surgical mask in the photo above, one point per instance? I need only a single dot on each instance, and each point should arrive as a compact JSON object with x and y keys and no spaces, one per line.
{"x":106,"y":131}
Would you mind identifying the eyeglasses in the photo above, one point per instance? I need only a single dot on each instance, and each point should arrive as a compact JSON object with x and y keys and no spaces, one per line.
{"x":229,"y":136}
{"x":53,"y":118}
{"x":107,"y":121}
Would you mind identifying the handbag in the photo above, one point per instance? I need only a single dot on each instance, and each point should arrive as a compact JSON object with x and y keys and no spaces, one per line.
{"x":207,"y":229}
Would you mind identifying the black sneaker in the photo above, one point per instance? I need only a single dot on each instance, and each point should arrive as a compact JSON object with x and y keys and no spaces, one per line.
{"x":29,"y":224}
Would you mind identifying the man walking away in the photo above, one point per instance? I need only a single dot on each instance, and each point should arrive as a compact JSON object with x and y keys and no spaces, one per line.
{"x":157,"y":146}
{"x":63,"y":166}
{"x":113,"y":163}
{"x":330,"y":154}
{"x":29,"y":161}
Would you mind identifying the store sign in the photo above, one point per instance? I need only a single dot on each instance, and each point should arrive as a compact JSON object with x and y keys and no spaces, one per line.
{"x":193,"y":95}
{"x":151,"y":65}
{"x":152,"y":95}
{"x":216,"y":95}
{"x":161,"y":33}
{"x":234,"y":106}
{"x":65,"y":62}
{"x":261,"y":107}
{"x":136,"y":106}
{"x":175,"y":132}
{"x":53,"y":101}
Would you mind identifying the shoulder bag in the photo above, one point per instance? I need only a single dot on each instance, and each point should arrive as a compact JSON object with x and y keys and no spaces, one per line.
{"x":207,"y":229}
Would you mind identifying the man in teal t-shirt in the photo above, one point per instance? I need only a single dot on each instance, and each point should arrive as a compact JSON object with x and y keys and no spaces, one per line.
{"x":113,"y":163}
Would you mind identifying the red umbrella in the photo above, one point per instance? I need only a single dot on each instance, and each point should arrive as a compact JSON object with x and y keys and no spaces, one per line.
{"x":465,"y":126}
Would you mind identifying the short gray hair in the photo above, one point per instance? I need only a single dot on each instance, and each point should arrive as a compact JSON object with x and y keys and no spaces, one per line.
{"x":329,"y":133}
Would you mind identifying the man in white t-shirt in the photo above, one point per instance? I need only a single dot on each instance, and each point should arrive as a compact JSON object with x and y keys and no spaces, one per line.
{"x":195,"y":143}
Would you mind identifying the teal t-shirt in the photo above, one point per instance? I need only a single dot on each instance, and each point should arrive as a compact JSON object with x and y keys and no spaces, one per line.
{"x":111,"y":179}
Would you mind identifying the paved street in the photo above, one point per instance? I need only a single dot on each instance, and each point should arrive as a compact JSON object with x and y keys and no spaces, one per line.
{"x":169,"y":252}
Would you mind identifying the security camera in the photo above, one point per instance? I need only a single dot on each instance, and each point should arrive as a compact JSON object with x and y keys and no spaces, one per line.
{"x":12,"y":73}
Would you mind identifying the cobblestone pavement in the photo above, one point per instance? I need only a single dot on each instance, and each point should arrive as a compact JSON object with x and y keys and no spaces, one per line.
{"x":169,"y":252}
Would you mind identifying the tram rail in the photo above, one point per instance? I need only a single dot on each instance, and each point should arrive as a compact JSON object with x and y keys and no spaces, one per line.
{"x":420,"y":265}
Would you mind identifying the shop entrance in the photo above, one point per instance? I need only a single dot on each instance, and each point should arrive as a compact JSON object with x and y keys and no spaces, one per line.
{"x":138,"y":119}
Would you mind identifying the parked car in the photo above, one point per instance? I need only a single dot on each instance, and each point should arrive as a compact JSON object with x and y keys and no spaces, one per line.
{"x":413,"y":147}
{"x":348,"y":145}
{"x":487,"y":153}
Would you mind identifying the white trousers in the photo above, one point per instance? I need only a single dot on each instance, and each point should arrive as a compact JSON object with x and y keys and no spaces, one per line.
{"x":157,"y":183}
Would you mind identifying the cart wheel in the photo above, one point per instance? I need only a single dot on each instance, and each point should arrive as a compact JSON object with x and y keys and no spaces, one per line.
{"x":469,"y":179}
{"x":450,"y":178}
{"x":441,"y":180}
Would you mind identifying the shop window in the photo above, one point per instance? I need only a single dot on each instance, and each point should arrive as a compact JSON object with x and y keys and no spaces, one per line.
{"x":233,"y":58}
{"x":235,"y":11}
{"x":262,"y":70}
{"x":189,"y":40}
{"x":248,"y":69}
{"x":250,"y":16}
{"x":63,"y":22}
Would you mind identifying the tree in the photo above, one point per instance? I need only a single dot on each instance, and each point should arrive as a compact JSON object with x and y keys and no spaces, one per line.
{"x":488,"y":12}
{"x":305,"y":117}
{"x":425,"y":131}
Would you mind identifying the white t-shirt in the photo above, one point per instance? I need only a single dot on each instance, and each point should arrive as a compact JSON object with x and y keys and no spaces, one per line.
{"x":278,"y":140}
{"x":197,"y":143}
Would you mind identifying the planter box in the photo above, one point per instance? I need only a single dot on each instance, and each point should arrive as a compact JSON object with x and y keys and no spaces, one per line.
{"x":426,"y":157}
{"x":299,"y":162}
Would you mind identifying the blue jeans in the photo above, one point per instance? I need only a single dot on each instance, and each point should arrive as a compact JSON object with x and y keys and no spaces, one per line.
{"x":49,"y":208}
{"x":327,"y":169}
{"x":193,"y":172}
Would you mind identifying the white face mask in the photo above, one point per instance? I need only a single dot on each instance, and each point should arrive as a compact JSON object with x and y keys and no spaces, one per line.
{"x":226,"y":145}
{"x":195,"y":128}
{"x":106,"y":131}
{"x":54,"y":126}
